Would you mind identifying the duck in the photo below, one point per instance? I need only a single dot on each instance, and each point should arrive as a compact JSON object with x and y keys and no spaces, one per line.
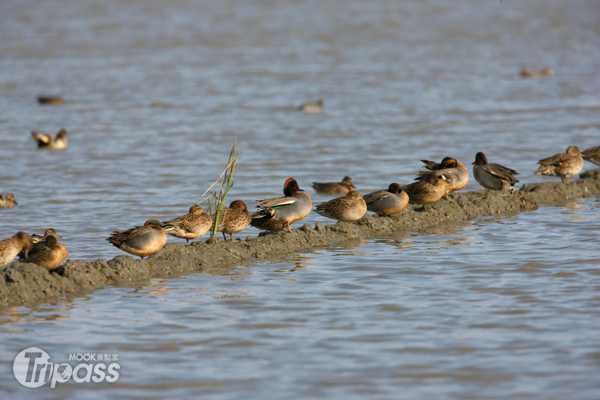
{"x":592,"y":155}
{"x":286,"y":210}
{"x":312,"y":107}
{"x":51,"y":100}
{"x":455,"y":174}
{"x":350,"y":208}
{"x":47,"y":233}
{"x":233,"y":219}
{"x":140,"y":241}
{"x":8,"y":201}
{"x":563,"y":165}
{"x":52,"y":142}
{"x":492,"y":176}
{"x":9,"y":248}
{"x":342,"y":187}
{"x":48,"y":253}
{"x":387,"y":202}
{"x":190,"y":226}
{"x":265,"y":220}
{"x":427,"y":190}
{"x":543,"y":73}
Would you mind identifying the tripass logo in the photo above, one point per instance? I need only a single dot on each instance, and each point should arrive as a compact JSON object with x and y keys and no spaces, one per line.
{"x":32,"y":368}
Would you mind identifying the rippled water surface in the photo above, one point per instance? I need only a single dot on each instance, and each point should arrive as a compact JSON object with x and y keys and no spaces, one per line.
{"x":502,"y":307}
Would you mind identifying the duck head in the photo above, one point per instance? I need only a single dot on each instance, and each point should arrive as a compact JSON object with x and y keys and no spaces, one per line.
{"x":354,"y":195}
{"x":26,"y":240}
{"x":291,"y":188}
{"x":480,"y":159}
{"x":238,"y":205}
{"x":196,"y":210}
{"x":573,"y":150}
{"x":394,"y":188}
{"x":154,"y":224}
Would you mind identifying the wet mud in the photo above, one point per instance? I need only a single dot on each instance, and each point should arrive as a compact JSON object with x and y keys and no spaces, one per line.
{"x":29,"y":284}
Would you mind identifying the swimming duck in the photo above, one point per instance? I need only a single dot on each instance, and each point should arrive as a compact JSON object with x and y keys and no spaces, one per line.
{"x":387,"y":202}
{"x":52,"y":100}
{"x":48,"y":253}
{"x":140,"y":241}
{"x":7,"y":201}
{"x":342,"y":187}
{"x":592,"y":155}
{"x":348,"y":209}
{"x":427,"y":190}
{"x":455,"y":174}
{"x":233,"y":219}
{"x":9,"y":248}
{"x":492,"y":176}
{"x":52,"y":142}
{"x":47,"y":233}
{"x":544,"y":73}
{"x":286,"y":210}
{"x":313,"y":107}
{"x":190,"y":226}
{"x":563,"y":165}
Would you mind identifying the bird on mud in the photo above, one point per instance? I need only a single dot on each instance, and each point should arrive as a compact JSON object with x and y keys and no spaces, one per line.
{"x":564,"y":165}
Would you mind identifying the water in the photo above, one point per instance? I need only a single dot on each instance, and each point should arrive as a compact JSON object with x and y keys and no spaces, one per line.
{"x":490,"y":308}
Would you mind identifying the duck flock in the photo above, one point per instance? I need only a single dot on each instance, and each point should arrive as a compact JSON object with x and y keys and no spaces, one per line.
{"x":431,"y":185}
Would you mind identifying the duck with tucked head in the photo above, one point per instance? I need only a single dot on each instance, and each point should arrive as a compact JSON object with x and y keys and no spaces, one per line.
{"x":140,"y":241}
{"x":592,"y":155}
{"x":342,"y":187}
{"x":428,"y":190}
{"x":455,"y":174}
{"x":48,"y":254}
{"x":313,"y":107}
{"x":387,"y":202}
{"x":286,"y":210}
{"x":347,"y":209}
{"x":8,"y":201}
{"x":190,"y":226}
{"x":52,"y":142}
{"x":9,"y":248}
{"x":563,"y":165}
{"x":233,"y":219}
{"x":493,"y":176}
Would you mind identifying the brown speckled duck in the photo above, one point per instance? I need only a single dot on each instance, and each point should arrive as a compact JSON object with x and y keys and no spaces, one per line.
{"x":563,"y":165}
{"x":190,"y":226}
{"x":387,"y":202}
{"x":140,"y":241}
{"x":427,"y":191}
{"x":348,"y":209}
{"x":7,"y":201}
{"x":48,"y":254}
{"x":342,"y":187}
{"x":9,"y":248}
{"x":233,"y":219}
{"x":52,"y":142}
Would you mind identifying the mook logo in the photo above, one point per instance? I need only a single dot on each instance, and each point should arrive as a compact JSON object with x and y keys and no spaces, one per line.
{"x":33,"y":369}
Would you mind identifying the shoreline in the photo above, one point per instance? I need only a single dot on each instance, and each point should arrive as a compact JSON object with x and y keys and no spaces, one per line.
{"x":24,"y":284}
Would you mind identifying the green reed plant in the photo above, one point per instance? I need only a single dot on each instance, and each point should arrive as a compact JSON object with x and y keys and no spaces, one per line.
{"x":216,"y":199}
